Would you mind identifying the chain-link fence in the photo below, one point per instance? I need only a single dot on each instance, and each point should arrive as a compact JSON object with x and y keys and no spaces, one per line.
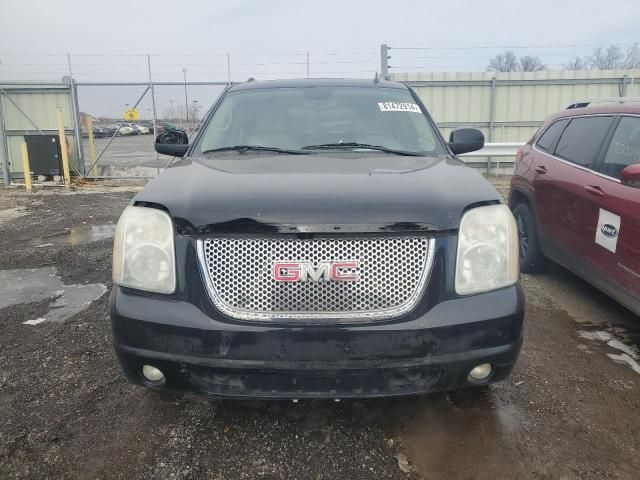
{"x":118,"y":121}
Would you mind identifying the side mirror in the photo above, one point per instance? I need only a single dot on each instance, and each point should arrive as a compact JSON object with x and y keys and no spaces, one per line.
{"x":630,"y":176}
{"x":172,"y":142}
{"x":464,"y":140}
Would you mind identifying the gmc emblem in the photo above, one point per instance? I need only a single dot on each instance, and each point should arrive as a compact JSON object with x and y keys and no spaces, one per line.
{"x":305,"y":271}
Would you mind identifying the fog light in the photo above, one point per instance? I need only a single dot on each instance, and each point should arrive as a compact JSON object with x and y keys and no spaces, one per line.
{"x":152,"y":373}
{"x":480,"y":372}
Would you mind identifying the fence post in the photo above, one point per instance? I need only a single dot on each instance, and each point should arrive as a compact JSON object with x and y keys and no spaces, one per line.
{"x":153,"y":107}
{"x":228,"y":69}
{"x":384,"y":60}
{"x":623,"y":90}
{"x":76,"y":116}
{"x":307,"y":64}
{"x":26,"y":169}
{"x":492,"y":118}
{"x":186,"y":97}
{"x":63,"y":148}
{"x":92,"y":147}
{"x":3,"y":149}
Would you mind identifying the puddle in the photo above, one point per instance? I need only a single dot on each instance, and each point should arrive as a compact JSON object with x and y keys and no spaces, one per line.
{"x":76,"y":236}
{"x":35,"y":322}
{"x":624,"y":358}
{"x":619,"y":339}
{"x":600,"y":318}
{"x":34,"y":285}
{"x":476,"y":427}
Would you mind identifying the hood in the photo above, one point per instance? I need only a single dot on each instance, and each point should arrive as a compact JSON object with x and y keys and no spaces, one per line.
{"x":317,"y":193}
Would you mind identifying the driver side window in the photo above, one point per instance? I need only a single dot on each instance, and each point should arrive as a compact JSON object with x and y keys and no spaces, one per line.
{"x":624,"y":149}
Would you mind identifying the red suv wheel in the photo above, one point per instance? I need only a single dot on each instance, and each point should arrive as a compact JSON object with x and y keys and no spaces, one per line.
{"x":531,"y":258}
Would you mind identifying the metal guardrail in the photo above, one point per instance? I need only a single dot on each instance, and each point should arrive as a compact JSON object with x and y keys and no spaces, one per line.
{"x":493,"y":156}
{"x":496,"y":150}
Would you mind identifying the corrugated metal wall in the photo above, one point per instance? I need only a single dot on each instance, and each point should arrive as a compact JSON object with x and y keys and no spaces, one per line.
{"x":521,"y":100}
{"x":26,"y":108}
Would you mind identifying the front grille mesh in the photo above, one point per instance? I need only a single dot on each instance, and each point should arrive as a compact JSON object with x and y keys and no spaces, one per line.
{"x":239,"y":272}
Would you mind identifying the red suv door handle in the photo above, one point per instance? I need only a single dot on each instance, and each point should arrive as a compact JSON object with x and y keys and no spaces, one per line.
{"x":541,"y":169}
{"x":594,"y":190}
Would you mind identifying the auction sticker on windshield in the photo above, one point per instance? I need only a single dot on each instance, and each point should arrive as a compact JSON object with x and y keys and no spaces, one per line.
{"x":398,"y":107}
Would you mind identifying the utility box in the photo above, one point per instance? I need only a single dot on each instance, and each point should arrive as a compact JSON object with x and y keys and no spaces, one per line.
{"x":44,"y":154}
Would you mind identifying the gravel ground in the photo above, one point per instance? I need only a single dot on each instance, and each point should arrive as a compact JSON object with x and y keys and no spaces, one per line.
{"x":568,"y":412}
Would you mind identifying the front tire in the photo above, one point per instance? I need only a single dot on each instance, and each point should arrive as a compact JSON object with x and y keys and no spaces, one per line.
{"x":531,"y":258}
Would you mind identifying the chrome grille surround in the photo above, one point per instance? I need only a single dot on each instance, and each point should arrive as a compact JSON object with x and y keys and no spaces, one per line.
{"x":393,"y":272}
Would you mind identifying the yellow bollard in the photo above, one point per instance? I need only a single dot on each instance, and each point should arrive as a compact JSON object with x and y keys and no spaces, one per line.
{"x":26,"y":169}
{"x":92,"y":147}
{"x":63,"y":148}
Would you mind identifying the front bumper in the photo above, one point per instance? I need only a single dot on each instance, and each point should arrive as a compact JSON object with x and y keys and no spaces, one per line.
{"x":411,"y":355}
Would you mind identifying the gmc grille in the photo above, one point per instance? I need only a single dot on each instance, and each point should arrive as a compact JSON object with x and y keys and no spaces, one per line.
{"x":392,"y":274}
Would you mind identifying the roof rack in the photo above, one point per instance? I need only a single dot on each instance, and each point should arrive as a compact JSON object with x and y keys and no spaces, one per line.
{"x":586,"y":103}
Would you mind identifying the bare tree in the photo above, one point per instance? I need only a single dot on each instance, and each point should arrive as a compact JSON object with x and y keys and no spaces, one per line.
{"x":577,"y":63}
{"x":504,"y":62}
{"x":606,"y":59}
{"x":609,"y":58}
{"x":632,"y":57}
{"x":530,"y":63}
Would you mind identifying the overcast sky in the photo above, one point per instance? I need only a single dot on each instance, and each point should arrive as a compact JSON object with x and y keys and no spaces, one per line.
{"x":268,"y":39}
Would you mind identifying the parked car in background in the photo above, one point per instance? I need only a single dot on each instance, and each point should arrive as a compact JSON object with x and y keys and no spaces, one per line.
{"x":146,"y":124}
{"x":165,"y":126}
{"x":134,"y":128}
{"x":111,"y":129}
{"x":98,"y":132}
{"x":142,"y":130}
{"x":122,"y":129}
{"x":575,"y":195}
{"x":127,"y":130}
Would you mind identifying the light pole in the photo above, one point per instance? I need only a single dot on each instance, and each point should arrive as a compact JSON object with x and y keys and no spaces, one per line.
{"x":186,"y":99}
{"x":195,"y":111}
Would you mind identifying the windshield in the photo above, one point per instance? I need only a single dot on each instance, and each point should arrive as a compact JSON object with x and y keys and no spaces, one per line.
{"x":320,"y":118}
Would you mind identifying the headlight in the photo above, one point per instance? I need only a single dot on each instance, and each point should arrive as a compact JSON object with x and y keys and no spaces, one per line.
{"x":143,"y":252}
{"x":487,"y":250}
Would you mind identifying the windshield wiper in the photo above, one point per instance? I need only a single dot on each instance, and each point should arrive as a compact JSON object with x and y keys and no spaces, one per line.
{"x":352,"y":145}
{"x":259,"y":148}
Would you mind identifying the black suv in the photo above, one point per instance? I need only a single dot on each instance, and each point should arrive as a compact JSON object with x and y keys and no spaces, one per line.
{"x":317,"y":239}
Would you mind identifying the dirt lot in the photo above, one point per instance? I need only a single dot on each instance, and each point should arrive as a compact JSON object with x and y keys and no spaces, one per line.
{"x":570,"y":410}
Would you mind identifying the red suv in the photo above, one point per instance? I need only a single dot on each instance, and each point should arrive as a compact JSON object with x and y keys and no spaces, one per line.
{"x":575,"y":195}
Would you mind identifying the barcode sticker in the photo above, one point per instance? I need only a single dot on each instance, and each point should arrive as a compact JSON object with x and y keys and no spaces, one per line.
{"x":398,"y":107}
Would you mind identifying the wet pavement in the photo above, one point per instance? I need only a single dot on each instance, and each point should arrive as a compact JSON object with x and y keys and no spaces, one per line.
{"x":76,"y":236}
{"x":569,"y":411}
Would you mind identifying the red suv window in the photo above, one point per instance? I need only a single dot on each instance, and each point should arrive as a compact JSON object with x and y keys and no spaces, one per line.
{"x":551,"y":134}
{"x":624,"y":149}
{"x":582,"y":140}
